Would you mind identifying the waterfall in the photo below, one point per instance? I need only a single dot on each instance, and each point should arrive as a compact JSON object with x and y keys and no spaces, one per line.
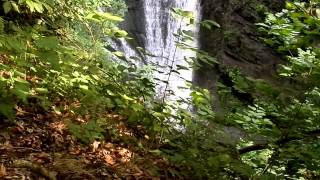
{"x":151,"y":24}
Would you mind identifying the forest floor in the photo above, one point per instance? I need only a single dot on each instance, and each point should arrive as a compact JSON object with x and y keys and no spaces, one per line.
{"x":39,"y":146}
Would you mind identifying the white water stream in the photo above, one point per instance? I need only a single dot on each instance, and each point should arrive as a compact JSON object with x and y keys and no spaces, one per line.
{"x":160,"y":43}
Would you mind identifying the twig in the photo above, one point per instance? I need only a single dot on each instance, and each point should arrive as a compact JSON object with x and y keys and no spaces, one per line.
{"x":172,"y":62}
{"x":17,"y":148}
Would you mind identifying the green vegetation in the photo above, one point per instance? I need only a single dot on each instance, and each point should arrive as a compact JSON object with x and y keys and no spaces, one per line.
{"x":53,"y":60}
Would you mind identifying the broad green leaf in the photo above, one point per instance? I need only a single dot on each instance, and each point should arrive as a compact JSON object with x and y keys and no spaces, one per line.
{"x":34,"y":6}
{"x":110,"y":17}
{"x":38,"y":7}
{"x":103,"y":16}
{"x":7,"y":7}
{"x":15,"y":6}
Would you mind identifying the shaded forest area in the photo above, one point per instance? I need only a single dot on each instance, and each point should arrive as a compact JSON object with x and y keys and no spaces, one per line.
{"x":70,"y":108}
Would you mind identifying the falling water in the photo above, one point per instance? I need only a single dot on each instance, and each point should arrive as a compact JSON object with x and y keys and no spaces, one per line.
{"x":151,"y":23}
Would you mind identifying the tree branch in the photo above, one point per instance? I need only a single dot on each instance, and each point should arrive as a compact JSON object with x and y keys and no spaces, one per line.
{"x":281,"y":142}
{"x":255,"y":147}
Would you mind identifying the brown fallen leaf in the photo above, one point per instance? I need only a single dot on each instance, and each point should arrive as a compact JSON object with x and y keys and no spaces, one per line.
{"x":41,"y":158}
{"x":3,"y":171}
{"x":108,"y":158}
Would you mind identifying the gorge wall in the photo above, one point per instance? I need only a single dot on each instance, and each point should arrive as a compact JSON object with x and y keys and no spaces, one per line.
{"x":236,"y":43}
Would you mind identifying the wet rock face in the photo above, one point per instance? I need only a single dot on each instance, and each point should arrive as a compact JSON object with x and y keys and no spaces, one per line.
{"x":236,"y":43}
{"x":152,"y":26}
{"x":135,"y":21}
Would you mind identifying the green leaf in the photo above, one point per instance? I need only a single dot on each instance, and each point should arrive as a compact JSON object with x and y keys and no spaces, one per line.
{"x":127,"y":98}
{"x":155,"y":151}
{"x":30,"y":5}
{"x":209,"y":24}
{"x":7,"y":7}
{"x":15,"y":6}
{"x":120,"y":33}
{"x":110,"y":17}
{"x":42,"y":90}
{"x":50,"y":42}
{"x":180,"y":67}
{"x":183,"y":13}
{"x":34,"y":6}
{"x":38,"y":7}
{"x":103,"y":16}
{"x":7,"y":109}
{"x":118,"y":54}
{"x":84,"y":87}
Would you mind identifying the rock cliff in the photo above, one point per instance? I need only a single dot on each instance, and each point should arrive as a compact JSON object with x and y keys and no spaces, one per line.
{"x":236,"y":43}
